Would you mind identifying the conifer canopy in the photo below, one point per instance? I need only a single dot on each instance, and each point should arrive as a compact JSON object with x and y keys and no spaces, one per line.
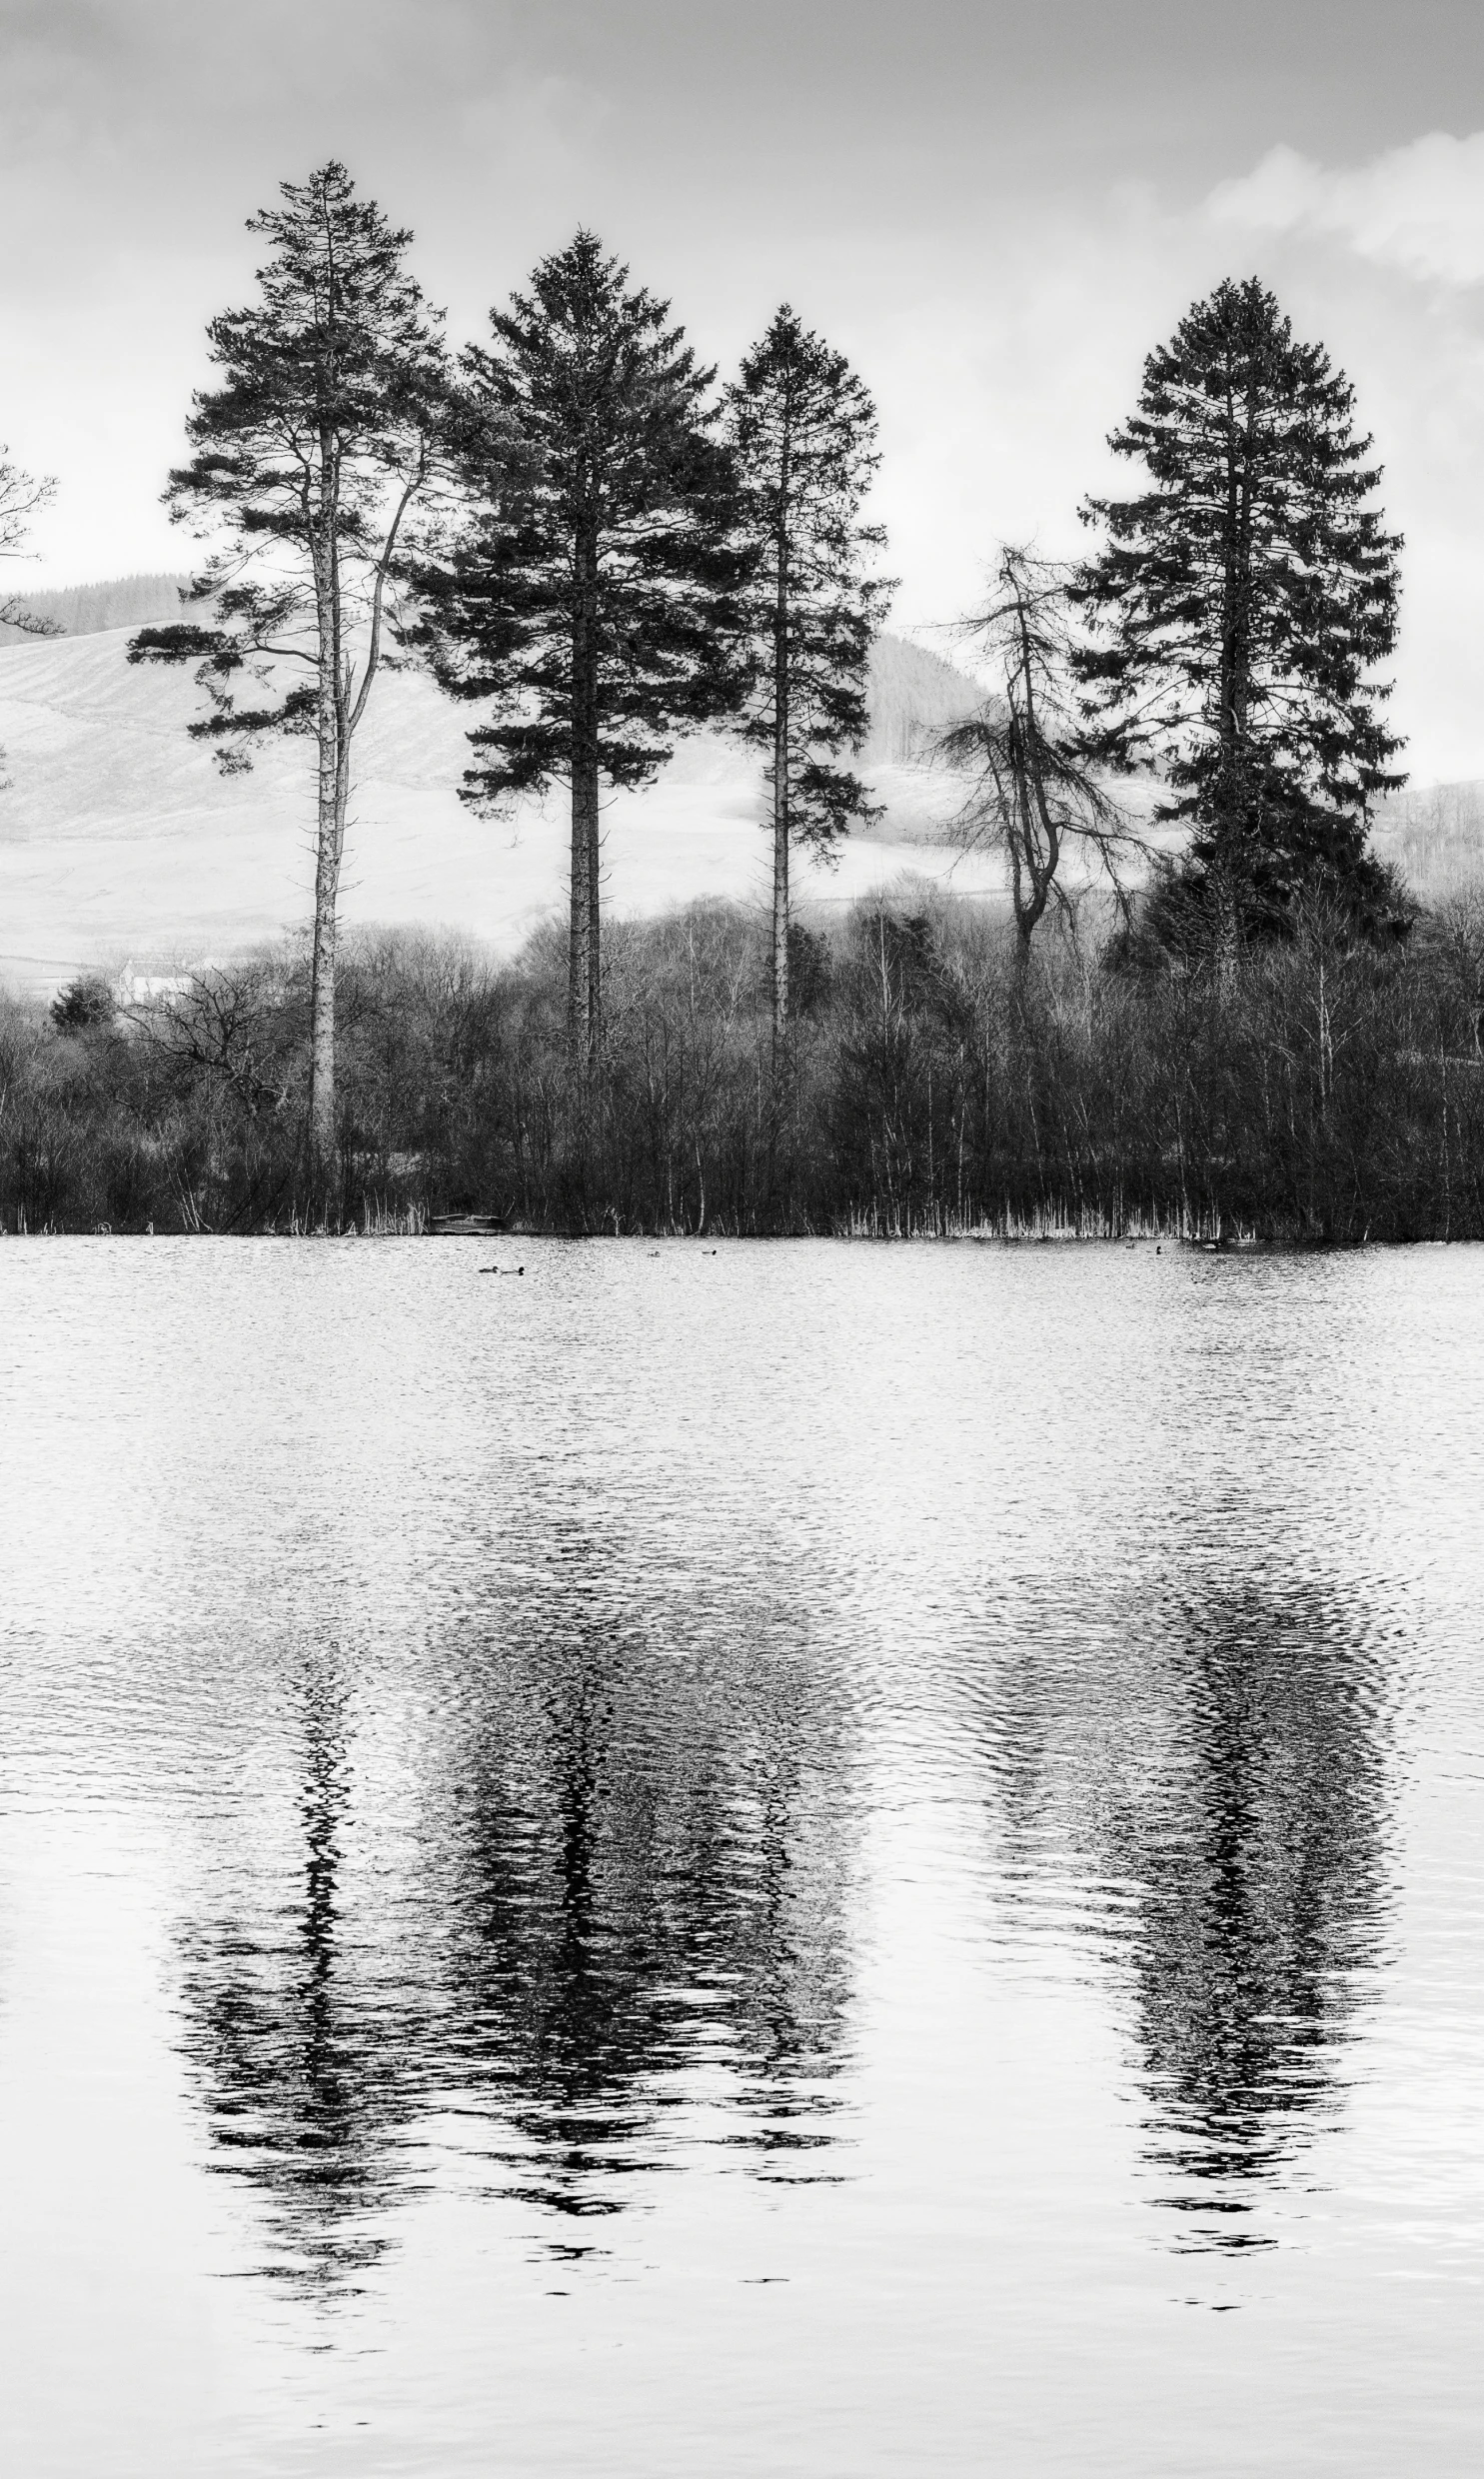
{"x":802,"y":426}
{"x":1237,"y":609}
{"x":326,"y":427}
{"x":322,"y":430}
{"x":804,"y":429}
{"x":588,"y":589}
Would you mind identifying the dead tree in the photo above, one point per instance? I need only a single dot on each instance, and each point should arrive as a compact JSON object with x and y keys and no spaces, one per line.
{"x":1034,"y":796}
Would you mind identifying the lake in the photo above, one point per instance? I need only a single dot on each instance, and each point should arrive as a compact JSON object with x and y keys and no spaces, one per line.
{"x":791,"y":1858}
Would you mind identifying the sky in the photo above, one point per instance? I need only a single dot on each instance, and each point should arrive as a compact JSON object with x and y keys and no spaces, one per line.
{"x":996,"y":211}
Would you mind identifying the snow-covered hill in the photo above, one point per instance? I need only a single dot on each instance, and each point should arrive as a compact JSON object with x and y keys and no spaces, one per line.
{"x":118,"y":837}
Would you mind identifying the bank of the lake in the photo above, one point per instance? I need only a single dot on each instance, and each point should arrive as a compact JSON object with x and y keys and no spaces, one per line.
{"x":1326,"y":1089}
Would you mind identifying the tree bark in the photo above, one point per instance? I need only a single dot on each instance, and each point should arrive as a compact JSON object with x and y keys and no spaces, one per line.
{"x":780,"y":759}
{"x":594,"y":940}
{"x":1227,"y":935}
{"x":583,"y":988}
{"x":781,"y":886}
{"x":584,"y":963}
{"x":322,"y":1002}
{"x":336,"y":721}
{"x":577,"y":937}
{"x":1235,"y":682}
{"x":333,"y":789}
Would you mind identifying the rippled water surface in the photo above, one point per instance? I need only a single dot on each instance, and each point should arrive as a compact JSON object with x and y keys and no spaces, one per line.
{"x":800,"y":1859}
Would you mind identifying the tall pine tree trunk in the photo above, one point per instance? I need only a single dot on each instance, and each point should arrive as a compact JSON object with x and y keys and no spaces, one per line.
{"x":780,"y":887}
{"x":577,"y":937}
{"x":322,"y":999}
{"x":584,"y":969}
{"x":333,"y":789}
{"x":781,"y":757}
{"x":1231,"y":823}
{"x":584,"y":962}
{"x":595,"y":942}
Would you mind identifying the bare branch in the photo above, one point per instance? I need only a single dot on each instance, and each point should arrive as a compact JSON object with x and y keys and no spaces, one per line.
{"x":1034,"y":788}
{"x":22,"y":496}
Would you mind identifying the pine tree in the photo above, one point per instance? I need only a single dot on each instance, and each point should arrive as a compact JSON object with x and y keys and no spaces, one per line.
{"x":803,"y":430}
{"x":309,"y":455}
{"x":1237,"y":609}
{"x":589,"y":588}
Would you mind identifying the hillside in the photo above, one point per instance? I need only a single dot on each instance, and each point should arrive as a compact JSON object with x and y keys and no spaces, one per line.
{"x":1435,"y":837}
{"x":118,"y":837}
{"x":113,"y":603}
{"x":913,"y":693}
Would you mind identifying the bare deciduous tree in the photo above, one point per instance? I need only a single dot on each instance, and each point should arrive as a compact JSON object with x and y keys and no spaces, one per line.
{"x":214,"y":1024}
{"x":1035,"y":794}
{"x":22,"y":496}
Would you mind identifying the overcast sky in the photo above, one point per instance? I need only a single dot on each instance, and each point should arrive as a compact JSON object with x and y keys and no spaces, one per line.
{"x":995,"y":210}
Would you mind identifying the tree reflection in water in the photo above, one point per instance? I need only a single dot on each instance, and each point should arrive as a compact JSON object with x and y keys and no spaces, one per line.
{"x":1261,"y":1877}
{"x":643,"y":1891}
{"x":572,"y":1899}
{"x":1195,"y":1782}
{"x":299,"y":2048}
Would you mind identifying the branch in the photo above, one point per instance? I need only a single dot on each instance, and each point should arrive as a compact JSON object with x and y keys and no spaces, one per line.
{"x":378,"y":593}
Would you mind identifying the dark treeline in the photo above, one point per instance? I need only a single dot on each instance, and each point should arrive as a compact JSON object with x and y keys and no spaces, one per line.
{"x":1329,"y":1088}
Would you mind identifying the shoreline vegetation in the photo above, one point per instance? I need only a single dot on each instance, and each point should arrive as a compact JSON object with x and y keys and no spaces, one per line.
{"x":1264,"y":1035}
{"x":936,"y":1081}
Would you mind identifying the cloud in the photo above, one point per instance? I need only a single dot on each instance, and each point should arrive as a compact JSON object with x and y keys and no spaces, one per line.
{"x":1418,"y":208}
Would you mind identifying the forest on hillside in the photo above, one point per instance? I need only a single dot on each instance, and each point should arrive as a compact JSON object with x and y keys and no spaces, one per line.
{"x":83,"y":611}
{"x":1212,"y":1002}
